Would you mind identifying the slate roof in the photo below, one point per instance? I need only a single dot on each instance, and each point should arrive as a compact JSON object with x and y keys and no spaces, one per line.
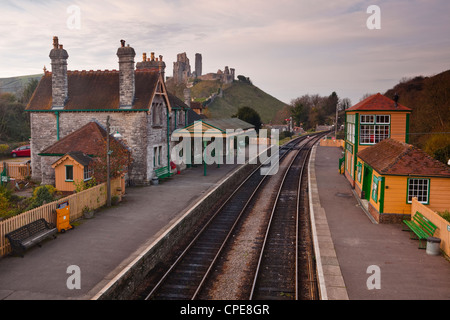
{"x":392,"y":157}
{"x":78,"y":156}
{"x":95,"y":90}
{"x":89,"y":139}
{"x":378,"y":102}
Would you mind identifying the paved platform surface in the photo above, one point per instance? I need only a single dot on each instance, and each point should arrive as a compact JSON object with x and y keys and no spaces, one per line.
{"x":406,"y":272}
{"x":103,"y":245}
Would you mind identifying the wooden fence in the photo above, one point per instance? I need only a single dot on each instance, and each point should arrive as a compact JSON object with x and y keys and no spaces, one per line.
{"x":94,"y":198}
{"x":332,"y":143}
{"x":443,"y":226}
{"x":17,"y":170}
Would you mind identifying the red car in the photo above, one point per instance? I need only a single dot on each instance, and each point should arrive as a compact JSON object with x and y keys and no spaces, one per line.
{"x":23,"y":151}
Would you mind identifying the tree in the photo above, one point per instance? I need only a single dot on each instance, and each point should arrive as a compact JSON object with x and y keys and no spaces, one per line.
{"x":299,"y":112}
{"x":29,"y":90}
{"x":331,"y":104}
{"x":345,"y":104}
{"x":249,"y":115}
{"x":120,"y":161}
{"x":14,"y":120}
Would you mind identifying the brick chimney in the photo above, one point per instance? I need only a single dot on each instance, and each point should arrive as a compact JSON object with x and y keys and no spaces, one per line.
{"x":58,"y":57}
{"x":126,"y":56}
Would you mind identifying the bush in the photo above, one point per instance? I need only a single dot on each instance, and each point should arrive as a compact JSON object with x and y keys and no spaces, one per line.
{"x":42,"y":194}
{"x":445,"y":215}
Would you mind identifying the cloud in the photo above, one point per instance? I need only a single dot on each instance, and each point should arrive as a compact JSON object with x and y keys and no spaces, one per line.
{"x":287,"y":47}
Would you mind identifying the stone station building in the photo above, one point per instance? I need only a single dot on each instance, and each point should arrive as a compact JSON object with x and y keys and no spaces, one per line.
{"x":135,"y":99}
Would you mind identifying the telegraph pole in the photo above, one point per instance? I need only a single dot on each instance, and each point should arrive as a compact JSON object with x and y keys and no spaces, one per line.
{"x":108,"y":179}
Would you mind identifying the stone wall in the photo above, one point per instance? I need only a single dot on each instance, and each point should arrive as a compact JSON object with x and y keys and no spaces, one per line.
{"x":131,"y":125}
{"x":124,"y":286}
{"x":43,"y":133}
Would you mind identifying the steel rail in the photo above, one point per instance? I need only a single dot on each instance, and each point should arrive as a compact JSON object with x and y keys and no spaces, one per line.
{"x":315,"y":139}
{"x":292,"y":144}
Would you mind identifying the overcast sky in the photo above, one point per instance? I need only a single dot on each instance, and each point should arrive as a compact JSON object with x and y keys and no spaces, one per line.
{"x":288,"y":48}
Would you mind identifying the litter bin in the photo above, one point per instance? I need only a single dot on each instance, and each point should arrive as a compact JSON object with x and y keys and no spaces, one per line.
{"x":63,"y":217}
{"x":433,"y":246}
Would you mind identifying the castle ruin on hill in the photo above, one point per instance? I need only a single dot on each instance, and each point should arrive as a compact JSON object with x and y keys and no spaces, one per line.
{"x":182,"y":71}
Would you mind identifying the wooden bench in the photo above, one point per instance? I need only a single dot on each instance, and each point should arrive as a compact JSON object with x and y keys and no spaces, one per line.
{"x":421,"y":227}
{"x":163,"y":172}
{"x":30,"y":234}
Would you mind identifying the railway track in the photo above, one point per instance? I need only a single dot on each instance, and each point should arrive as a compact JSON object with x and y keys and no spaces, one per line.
{"x":277,"y":275}
{"x":186,"y":277}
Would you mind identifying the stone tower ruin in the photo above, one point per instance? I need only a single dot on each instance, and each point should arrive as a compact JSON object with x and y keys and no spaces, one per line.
{"x":181,"y":68}
{"x":198,"y":64}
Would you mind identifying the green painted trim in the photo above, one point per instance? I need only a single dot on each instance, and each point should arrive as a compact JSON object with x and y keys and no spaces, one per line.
{"x":428,"y":193}
{"x":367,"y":185}
{"x":381,"y":209}
{"x":68,"y":180}
{"x":376,"y":110}
{"x":407,"y":129}
{"x":355,"y":149}
{"x":51,"y":154}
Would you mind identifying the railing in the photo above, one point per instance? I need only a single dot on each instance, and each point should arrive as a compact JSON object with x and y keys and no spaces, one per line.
{"x":93,"y":198}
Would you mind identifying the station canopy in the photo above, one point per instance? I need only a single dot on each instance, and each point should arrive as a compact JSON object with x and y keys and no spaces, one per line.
{"x":213,"y":127}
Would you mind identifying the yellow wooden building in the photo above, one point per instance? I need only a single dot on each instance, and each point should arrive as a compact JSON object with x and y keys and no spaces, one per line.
{"x":74,"y":167}
{"x":370,"y":121}
{"x":389,"y":174}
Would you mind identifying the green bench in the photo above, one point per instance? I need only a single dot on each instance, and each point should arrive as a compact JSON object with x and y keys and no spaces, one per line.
{"x":421,"y":227}
{"x":163,"y":172}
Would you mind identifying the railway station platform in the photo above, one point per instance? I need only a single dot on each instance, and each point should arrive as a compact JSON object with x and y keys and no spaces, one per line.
{"x":102,"y":246}
{"x":350,"y":244}
{"x":362,"y":260}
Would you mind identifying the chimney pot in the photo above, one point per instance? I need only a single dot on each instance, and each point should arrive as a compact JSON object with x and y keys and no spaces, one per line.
{"x":144,"y":56}
{"x":55,"y":42}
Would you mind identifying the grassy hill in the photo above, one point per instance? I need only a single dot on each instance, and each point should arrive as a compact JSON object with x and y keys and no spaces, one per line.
{"x":15,"y":85}
{"x":233,"y":96}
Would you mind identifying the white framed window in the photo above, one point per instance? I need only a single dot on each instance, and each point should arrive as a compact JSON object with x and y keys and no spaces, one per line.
{"x":420,"y":189}
{"x":374,"y":128}
{"x":88,"y":172}
{"x":367,"y":118}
